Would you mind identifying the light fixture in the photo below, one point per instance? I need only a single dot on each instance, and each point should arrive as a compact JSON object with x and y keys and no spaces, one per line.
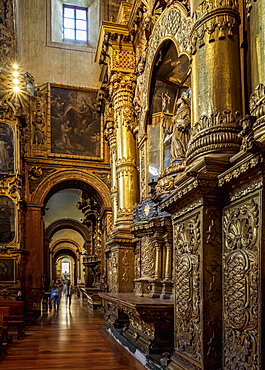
{"x":16,"y":89}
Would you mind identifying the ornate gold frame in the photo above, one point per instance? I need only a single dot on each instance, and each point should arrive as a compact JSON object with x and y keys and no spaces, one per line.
{"x":57,"y":155}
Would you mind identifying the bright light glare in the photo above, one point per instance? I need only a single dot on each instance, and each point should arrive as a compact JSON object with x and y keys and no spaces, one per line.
{"x":15,"y":81}
{"x":16,"y":89}
{"x":15,"y":66}
{"x":15,"y":74}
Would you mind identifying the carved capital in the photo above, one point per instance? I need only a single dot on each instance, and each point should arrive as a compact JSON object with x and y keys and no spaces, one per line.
{"x":122,"y":82}
{"x":217,"y":133}
{"x":216,"y":28}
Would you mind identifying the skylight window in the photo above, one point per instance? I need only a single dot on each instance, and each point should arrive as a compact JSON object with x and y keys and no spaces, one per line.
{"x":75,"y":23}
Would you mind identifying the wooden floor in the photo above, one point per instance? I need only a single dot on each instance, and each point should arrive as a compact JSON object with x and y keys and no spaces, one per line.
{"x":69,"y":339}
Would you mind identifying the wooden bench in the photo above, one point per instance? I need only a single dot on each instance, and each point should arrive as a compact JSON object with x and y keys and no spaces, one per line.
{"x":2,"y":346}
{"x":4,"y":312}
{"x":16,"y":312}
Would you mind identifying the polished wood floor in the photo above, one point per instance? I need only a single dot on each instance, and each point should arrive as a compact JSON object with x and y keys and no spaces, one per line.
{"x":69,"y":339}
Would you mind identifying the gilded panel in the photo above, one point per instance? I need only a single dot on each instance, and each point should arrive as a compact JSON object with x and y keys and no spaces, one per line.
{"x":241,"y":228}
{"x":113,"y":272}
{"x":148,"y":257}
{"x":188,"y":320}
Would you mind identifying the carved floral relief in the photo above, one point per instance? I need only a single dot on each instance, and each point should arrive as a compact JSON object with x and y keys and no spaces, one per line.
{"x":188,"y":330}
{"x":113,"y":272}
{"x":241,"y":306}
{"x":148,"y":257}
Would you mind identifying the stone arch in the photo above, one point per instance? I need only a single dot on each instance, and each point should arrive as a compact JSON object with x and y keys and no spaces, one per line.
{"x":66,"y":224}
{"x":174,"y":24}
{"x":60,"y":245}
{"x":71,"y":176}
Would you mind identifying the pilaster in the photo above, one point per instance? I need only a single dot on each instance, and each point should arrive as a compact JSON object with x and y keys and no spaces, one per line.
{"x":35,"y":247}
{"x":197,"y":259}
{"x":243,"y":261}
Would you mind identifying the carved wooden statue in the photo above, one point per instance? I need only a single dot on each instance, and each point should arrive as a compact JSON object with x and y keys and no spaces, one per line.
{"x":179,"y":127}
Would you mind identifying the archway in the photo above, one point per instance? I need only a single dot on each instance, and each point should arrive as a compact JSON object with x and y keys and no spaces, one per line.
{"x":75,"y":228}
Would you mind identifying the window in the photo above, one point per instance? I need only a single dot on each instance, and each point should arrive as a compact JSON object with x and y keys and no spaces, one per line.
{"x":74,"y":23}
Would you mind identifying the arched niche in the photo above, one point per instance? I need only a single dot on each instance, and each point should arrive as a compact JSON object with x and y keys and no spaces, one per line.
{"x":171,"y":30}
{"x":170,"y":78}
{"x":173,"y":24}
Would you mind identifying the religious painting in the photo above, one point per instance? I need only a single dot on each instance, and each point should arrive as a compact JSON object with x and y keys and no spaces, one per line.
{"x":7,"y":270}
{"x":6,"y":149}
{"x":7,"y":220}
{"x":75,"y":123}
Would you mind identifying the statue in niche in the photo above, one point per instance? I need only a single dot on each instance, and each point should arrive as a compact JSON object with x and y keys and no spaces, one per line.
{"x":179,"y":127}
{"x":38,"y":126}
{"x":137,"y":101}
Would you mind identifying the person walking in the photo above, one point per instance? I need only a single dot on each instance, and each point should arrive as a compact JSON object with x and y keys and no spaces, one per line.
{"x":56,"y":296}
{"x":68,"y":291}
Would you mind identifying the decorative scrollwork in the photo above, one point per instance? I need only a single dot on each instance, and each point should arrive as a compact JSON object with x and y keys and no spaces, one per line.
{"x":187,"y":240}
{"x":241,"y":227}
{"x":148,"y":257}
{"x":241,"y":256}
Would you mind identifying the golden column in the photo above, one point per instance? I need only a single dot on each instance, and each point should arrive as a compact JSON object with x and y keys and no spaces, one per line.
{"x":116,"y":56}
{"x":122,"y":92}
{"x":215,"y":87}
{"x":256,"y":16}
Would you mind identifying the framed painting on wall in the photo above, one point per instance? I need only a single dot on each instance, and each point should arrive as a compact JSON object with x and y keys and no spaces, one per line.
{"x":7,"y":270}
{"x":7,"y":220}
{"x":75,"y":126}
{"x":6,"y":149}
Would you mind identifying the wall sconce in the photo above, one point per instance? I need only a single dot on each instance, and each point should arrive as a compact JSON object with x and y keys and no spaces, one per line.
{"x":15,"y":86}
